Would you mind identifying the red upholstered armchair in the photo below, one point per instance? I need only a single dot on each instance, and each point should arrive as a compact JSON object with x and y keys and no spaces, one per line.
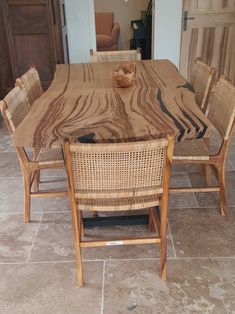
{"x":107,"y":32}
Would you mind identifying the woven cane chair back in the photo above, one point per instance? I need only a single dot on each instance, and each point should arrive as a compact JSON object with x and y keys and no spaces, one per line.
{"x":222,"y":107}
{"x":16,"y":108}
{"x":121,"y":55}
{"x":30,"y":83}
{"x":118,"y":170}
{"x":202,"y":80}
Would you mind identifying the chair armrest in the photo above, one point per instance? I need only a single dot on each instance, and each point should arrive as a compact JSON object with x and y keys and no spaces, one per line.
{"x":115,"y":33}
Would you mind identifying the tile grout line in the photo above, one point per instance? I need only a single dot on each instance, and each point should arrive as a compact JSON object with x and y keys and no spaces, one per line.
{"x":36,"y":232}
{"x":194,"y":195}
{"x":68,"y":211}
{"x":123,"y":259}
{"x":102,"y":295}
{"x":37,"y":212}
{"x":8,"y":178}
{"x":173,"y":246}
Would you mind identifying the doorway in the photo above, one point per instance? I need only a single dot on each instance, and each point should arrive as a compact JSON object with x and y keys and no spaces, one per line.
{"x":134,"y":18}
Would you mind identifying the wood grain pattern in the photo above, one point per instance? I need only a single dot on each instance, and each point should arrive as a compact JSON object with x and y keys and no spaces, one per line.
{"x":209,"y":35}
{"x":82,"y":104}
{"x":6,"y":76}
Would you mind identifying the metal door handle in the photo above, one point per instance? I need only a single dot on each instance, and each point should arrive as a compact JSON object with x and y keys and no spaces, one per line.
{"x":185,"y":21}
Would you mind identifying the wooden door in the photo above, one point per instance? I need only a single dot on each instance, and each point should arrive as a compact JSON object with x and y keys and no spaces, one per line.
{"x":208,"y":31}
{"x":33,"y":36}
{"x":6,"y":78}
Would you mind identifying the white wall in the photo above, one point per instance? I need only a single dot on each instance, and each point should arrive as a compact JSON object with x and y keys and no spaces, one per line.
{"x":80,"y":28}
{"x":167,"y":35}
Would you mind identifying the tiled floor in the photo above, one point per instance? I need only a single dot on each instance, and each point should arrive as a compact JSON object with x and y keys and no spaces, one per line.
{"x":37,"y":265}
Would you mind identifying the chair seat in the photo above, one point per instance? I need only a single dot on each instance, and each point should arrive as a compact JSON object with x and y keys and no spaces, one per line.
{"x":51,"y":156}
{"x":125,"y":203}
{"x":191,"y":150}
{"x":103,"y":40}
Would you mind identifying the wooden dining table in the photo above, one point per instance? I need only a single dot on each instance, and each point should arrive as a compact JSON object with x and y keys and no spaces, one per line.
{"x":83,"y":104}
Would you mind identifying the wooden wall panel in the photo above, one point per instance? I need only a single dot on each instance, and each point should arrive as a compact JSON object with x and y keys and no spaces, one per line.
{"x":34,"y":36}
{"x":209,"y":34}
{"x":6,"y":77}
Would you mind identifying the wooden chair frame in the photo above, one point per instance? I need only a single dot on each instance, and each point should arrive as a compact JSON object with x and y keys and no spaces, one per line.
{"x":215,"y":163}
{"x":210,"y":79}
{"x":30,"y":169}
{"x":159,"y":225}
{"x":31,"y":85}
{"x":120,"y":55}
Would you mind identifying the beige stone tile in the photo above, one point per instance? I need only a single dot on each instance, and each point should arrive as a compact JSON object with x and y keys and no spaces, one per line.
{"x":202,"y":232}
{"x":16,"y":237}
{"x":9,"y":165}
{"x":212,"y":199}
{"x":230,"y":187}
{"x":230,"y":163}
{"x":193,"y":286}
{"x":185,"y":168}
{"x":198,"y":179}
{"x":54,"y":173}
{"x":50,"y":288}
{"x":54,"y":241}
{"x":5,"y":142}
{"x":179,"y":179}
{"x":3,"y":127}
{"x":233,"y":137}
{"x":181,"y":200}
{"x":11,"y":197}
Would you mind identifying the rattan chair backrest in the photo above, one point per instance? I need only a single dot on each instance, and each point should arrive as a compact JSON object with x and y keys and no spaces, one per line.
{"x":118,"y":169}
{"x":222,"y":107}
{"x":202,"y":79}
{"x":120,"y":55}
{"x":30,"y":83}
{"x":14,"y":108}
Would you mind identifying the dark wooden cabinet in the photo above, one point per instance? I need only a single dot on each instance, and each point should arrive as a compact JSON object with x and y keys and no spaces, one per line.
{"x":35,"y":33}
{"x":6,"y":76}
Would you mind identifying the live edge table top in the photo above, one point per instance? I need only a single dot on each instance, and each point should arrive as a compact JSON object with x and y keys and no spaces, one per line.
{"x":83,"y":105}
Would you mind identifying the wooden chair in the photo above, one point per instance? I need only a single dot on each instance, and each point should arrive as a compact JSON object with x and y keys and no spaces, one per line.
{"x":202,"y":80}
{"x":31,"y":85}
{"x":120,"y":55}
{"x":222,"y":116}
{"x":14,"y":108}
{"x":116,"y":177}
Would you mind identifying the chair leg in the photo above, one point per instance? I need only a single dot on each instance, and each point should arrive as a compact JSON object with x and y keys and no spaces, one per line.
{"x":163,"y":244}
{"x":27,"y":203}
{"x":36,"y":181}
{"x":76,"y":219}
{"x":222,"y":185}
{"x":163,"y":258}
{"x":81,"y":226}
{"x":150,"y":222}
{"x":79,"y":265}
{"x":94,"y":214}
{"x":207,"y":170}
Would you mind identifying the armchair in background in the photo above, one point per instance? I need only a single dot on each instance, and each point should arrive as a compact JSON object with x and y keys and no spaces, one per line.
{"x":107,"y":32}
